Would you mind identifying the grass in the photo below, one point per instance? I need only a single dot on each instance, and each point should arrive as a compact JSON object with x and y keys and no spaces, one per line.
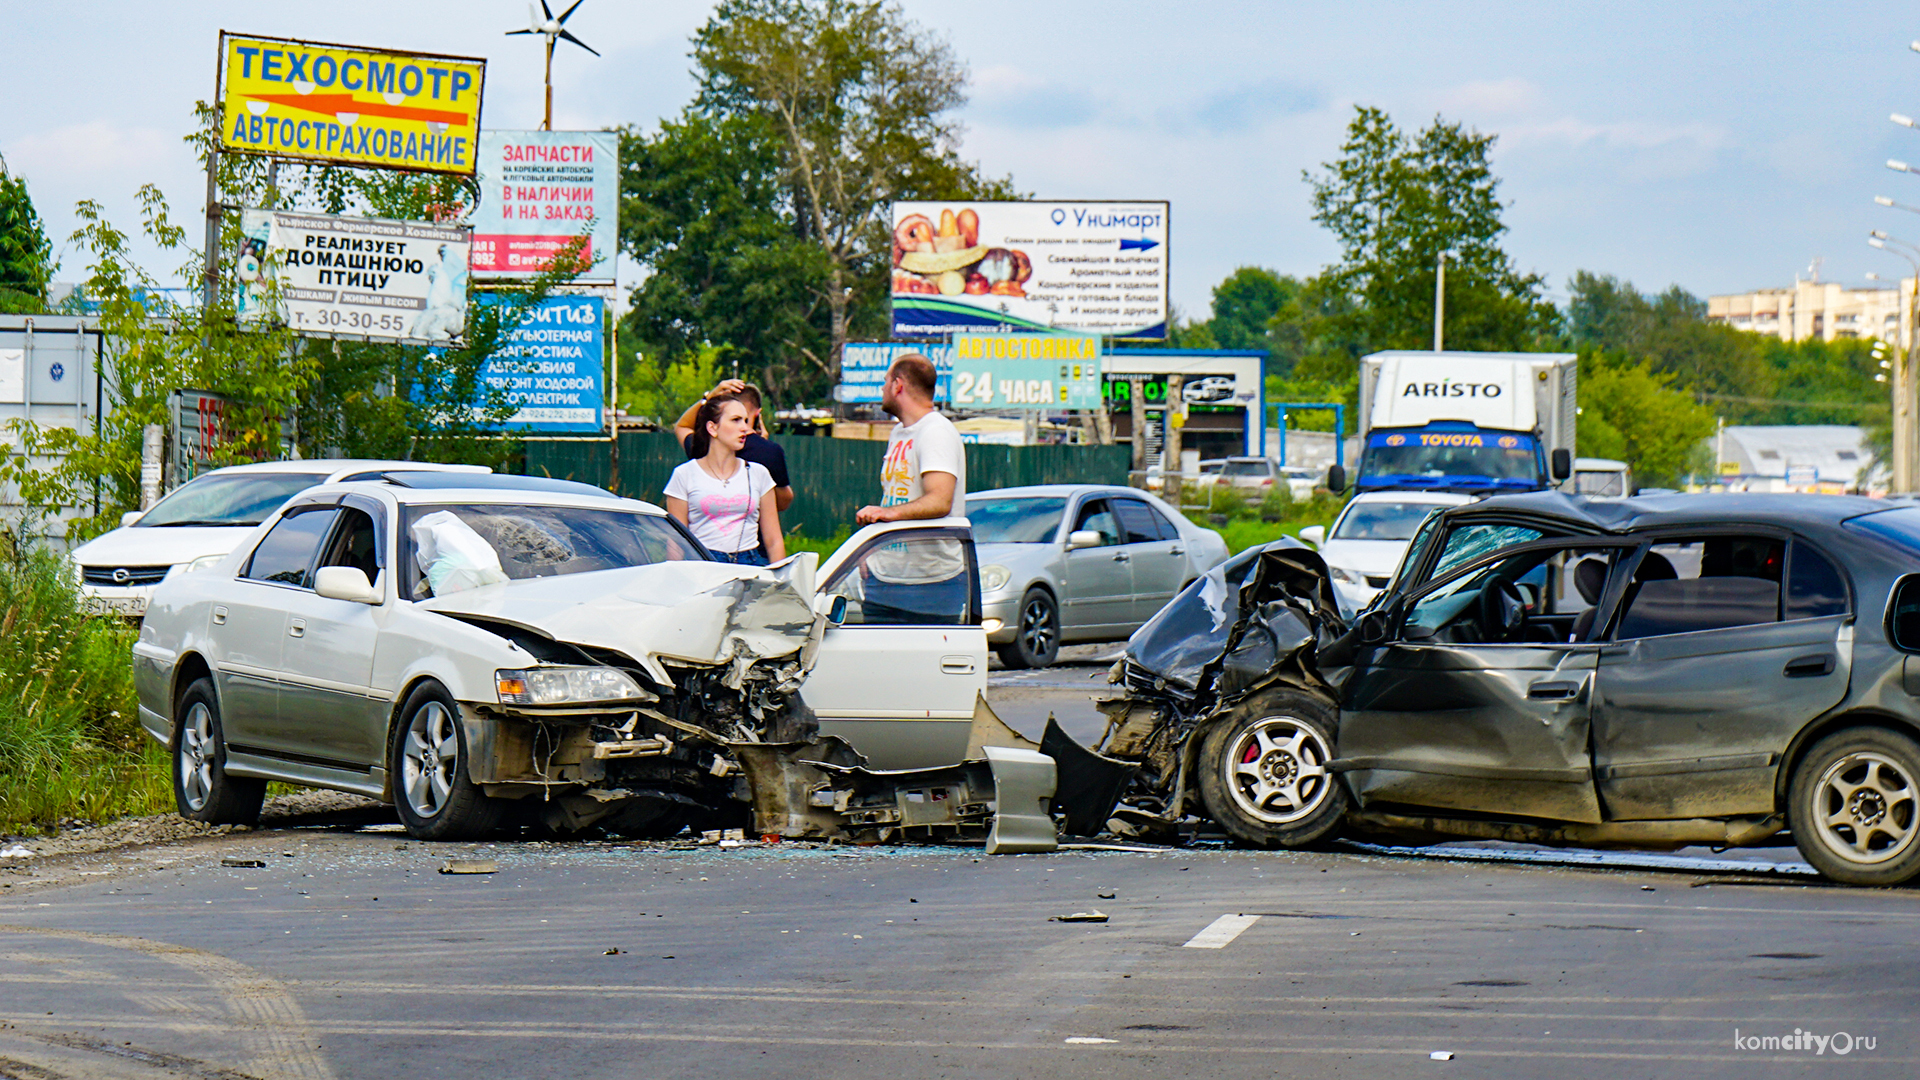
{"x":1250,"y":524}
{"x":71,"y":746}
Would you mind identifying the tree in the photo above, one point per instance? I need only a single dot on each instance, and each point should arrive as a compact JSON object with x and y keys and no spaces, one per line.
{"x":701,"y":209}
{"x":26,"y":256}
{"x":1395,"y":204}
{"x":1631,"y":413}
{"x":859,"y":102}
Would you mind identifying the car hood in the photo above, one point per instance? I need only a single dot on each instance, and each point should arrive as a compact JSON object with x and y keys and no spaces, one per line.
{"x":686,"y":612}
{"x":1372,"y":557}
{"x":159,"y":545}
{"x":1216,"y":640}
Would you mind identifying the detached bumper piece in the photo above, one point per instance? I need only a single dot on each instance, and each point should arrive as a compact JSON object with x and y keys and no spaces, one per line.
{"x":822,"y":790}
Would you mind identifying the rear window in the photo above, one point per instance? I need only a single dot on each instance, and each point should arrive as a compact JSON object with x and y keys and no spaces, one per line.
{"x":1900,"y":527}
{"x":1244,"y":468}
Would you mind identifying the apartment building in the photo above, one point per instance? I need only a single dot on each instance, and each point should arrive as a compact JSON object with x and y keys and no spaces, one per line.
{"x":1818,"y":309}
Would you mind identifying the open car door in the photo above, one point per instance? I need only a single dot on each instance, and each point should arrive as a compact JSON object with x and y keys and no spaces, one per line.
{"x":899,"y":677}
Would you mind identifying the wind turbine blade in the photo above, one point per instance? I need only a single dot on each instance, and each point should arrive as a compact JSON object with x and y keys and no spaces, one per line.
{"x":533,"y":21}
{"x":547,"y":10}
{"x":568,"y":34}
{"x":510,"y":33}
{"x":571,"y":10}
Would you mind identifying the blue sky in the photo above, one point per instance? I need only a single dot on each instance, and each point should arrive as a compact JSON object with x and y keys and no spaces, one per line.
{"x":1718,"y":146}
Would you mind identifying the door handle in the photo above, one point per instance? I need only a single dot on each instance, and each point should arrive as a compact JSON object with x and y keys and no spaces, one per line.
{"x":1805,"y":666}
{"x":297,"y":627}
{"x":220,"y":616}
{"x":1553,"y":691}
{"x":956,"y":665}
{"x":1176,"y":551}
{"x":1122,"y":557}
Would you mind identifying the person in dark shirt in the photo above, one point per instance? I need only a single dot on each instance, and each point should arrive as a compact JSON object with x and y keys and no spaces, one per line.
{"x":759,"y":449}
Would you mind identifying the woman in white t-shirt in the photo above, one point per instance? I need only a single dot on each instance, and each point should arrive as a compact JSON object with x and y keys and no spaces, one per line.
{"x":726,"y":500}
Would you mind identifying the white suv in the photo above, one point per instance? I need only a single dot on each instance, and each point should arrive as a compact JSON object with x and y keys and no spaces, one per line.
{"x":203,"y":520}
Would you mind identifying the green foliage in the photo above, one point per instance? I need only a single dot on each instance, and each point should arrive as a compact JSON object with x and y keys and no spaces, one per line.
{"x":1245,"y":304}
{"x":1248,"y":527}
{"x":764,"y":225}
{"x":702,"y":209}
{"x":1631,"y":413}
{"x":1395,"y":203}
{"x":157,"y":346}
{"x":26,"y":255}
{"x":70,"y":740}
{"x":660,"y":393}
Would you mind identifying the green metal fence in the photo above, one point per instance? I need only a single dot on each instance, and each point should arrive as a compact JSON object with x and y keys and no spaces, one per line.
{"x":832,"y":478}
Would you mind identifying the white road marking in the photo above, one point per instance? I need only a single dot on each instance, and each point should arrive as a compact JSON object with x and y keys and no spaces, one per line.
{"x":1221,"y":932}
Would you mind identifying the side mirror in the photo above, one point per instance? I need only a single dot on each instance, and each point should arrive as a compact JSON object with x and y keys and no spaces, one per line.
{"x":1082,"y":538}
{"x":345,"y":583}
{"x":833,"y":606}
{"x":131,"y":516}
{"x":1373,"y":627}
{"x":1314,"y":534}
{"x":1336,"y":478}
{"x":1562,"y":463}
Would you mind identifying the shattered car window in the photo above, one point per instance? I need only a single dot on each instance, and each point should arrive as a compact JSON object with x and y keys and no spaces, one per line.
{"x":547,"y":541}
{"x":1468,"y":542}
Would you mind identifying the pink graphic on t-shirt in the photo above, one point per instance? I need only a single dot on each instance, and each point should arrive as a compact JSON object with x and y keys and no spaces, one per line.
{"x":725,"y":511}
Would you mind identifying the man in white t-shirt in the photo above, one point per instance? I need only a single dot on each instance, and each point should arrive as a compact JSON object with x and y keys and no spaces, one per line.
{"x":923,"y":476}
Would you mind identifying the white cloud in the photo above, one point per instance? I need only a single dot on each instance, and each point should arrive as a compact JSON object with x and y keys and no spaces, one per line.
{"x":92,"y":148}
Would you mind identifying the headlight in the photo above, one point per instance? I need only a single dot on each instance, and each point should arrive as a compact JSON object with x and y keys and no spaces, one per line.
{"x":205,"y":562}
{"x":1351,"y":577}
{"x":994,"y":577}
{"x":566,"y":686}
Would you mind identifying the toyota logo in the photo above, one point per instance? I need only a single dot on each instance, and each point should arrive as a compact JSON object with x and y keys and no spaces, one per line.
{"x":120,"y":576}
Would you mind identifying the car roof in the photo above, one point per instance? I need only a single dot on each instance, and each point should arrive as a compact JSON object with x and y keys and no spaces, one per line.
{"x":494,"y":488}
{"x":340,"y":466}
{"x":446,"y":481}
{"x":1429,"y":498}
{"x":1652,"y":511}
{"x":1057,"y":490}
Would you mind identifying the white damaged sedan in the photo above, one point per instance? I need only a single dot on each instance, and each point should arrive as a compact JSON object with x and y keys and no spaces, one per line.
{"x":465,"y":645}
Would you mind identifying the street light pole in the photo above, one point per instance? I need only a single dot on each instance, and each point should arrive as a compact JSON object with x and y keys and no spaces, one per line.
{"x":1906,"y":453}
{"x":1440,"y":303}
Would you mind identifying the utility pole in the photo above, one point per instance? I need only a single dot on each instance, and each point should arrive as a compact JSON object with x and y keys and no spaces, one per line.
{"x":1440,"y":303}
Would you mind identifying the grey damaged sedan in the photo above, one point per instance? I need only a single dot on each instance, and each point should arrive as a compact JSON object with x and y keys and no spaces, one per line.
{"x":1646,"y":672}
{"x":1067,"y":563}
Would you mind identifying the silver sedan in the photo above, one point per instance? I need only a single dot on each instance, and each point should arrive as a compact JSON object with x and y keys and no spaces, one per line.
{"x":1066,"y":563}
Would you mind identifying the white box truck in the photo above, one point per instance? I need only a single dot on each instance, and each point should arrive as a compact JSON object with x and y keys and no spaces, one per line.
{"x":1473,"y":423}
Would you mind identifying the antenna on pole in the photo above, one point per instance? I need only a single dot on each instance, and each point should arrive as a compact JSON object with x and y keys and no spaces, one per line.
{"x":553,"y":30}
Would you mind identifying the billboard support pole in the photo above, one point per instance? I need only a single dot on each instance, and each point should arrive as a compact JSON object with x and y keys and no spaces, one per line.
{"x":210,"y":272}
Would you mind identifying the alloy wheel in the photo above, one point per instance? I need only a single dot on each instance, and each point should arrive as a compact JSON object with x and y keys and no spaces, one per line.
{"x":1864,"y":808}
{"x":428,"y":760}
{"x":1036,"y":627}
{"x":196,"y":756}
{"x":1277,"y":770}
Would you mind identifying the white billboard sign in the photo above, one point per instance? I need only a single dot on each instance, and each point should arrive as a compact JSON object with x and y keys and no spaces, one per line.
{"x":1088,"y":267}
{"x":539,"y":191}
{"x":357,"y":277}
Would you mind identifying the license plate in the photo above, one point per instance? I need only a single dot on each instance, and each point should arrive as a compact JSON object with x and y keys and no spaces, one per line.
{"x":132,"y":607}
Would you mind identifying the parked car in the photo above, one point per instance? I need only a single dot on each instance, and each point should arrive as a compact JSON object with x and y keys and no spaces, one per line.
{"x":199,"y":522}
{"x":1208,"y":388}
{"x":1079,"y":562}
{"x":1555,"y":669}
{"x":462,"y":645}
{"x":1366,"y":542}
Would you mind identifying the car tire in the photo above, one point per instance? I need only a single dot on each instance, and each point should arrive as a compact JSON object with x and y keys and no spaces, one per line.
{"x":1263,"y":771}
{"x":427,"y":760}
{"x":202,"y":789}
{"x":1854,"y":806}
{"x":1036,"y":635}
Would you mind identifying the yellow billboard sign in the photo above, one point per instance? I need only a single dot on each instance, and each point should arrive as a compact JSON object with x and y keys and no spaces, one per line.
{"x":350,"y":106}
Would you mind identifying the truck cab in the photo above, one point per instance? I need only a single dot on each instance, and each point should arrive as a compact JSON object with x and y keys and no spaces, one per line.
{"x":1469,"y":423}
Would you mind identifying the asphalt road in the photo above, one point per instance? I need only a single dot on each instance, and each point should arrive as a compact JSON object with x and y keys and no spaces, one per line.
{"x":348,"y":955}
